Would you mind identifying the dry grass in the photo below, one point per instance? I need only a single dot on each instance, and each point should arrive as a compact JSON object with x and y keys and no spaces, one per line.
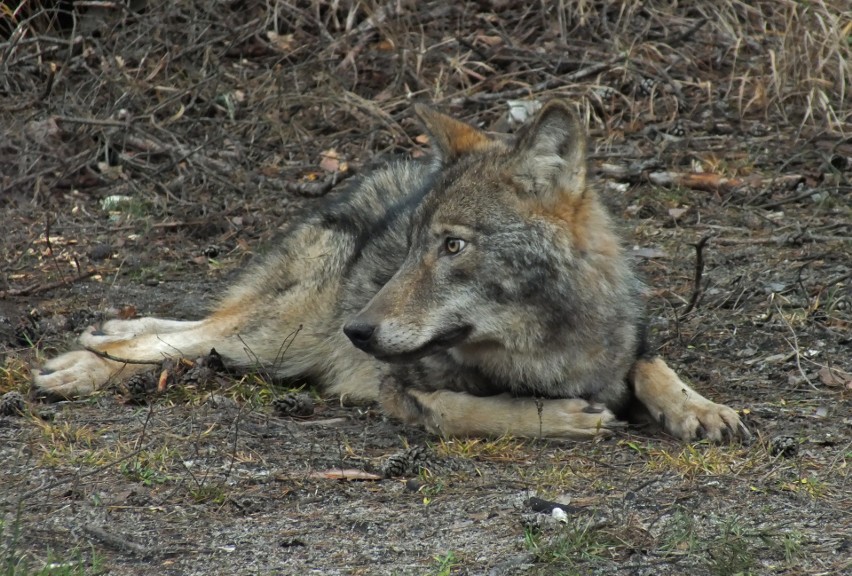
{"x":505,"y":449}
{"x":768,"y":60}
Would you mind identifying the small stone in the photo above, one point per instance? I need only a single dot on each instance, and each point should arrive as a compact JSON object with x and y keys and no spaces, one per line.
{"x":100,"y":252}
{"x":413,"y":484}
{"x":211,"y":251}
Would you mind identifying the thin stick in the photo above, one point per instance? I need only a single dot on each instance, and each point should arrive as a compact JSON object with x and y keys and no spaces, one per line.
{"x":697,"y":288}
{"x":115,"y":542}
{"x":549,"y":83}
{"x":108,"y":356}
{"x":37,"y":289}
{"x":792,"y":199}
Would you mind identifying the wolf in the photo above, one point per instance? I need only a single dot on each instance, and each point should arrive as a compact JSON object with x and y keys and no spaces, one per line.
{"x":480,"y":291}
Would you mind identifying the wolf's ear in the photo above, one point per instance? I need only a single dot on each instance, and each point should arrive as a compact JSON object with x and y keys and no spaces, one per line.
{"x":450,"y":137}
{"x":550,"y":154}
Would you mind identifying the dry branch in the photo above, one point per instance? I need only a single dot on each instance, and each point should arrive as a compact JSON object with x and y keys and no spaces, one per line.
{"x":550,"y":83}
{"x":316,"y":188}
{"x":40,"y":288}
{"x":108,"y":356}
{"x":709,"y":182}
{"x":697,"y":286}
{"x":115,"y":542}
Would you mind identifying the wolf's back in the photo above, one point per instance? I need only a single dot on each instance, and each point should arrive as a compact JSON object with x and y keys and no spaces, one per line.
{"x":329,"y":264}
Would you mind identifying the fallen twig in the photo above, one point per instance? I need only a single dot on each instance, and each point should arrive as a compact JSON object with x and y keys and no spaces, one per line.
{"x":39,"y":288}
{"x":115,"y":542}
{"x":108,"y":356}
{"x":365,"y":30}
{"x":780,"y":240}
{"x":324,"y":422}
{"x":344,"y":474}
{"x":678,"y":39}
{"x":93,"y":121}
{"x":317,"y":188}
{"x":790,"y":200}
{"x":697,"y":288}
{"x":563,"y":79}
{"x":709,"y":182}
{"x":630,"y":173}
{"x":697,"y":180}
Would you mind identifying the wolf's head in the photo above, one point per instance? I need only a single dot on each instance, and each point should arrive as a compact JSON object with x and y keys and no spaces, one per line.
{"x":510,"y":253}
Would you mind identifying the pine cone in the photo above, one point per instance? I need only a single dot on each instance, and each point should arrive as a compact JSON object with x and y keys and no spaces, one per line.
{"x":12,"y":404}
{"x":199,"y":375}
{"x":785,"y":446}
{"x":406,"y":462}
{"x":139,"y":387}
{"x":293,"y":404}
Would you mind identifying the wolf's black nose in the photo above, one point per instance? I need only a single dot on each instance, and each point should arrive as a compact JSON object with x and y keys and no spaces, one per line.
{"x":360,"y":333}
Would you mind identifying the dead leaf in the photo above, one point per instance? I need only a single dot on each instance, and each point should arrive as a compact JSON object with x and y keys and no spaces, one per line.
{"x":490,"y":41}
{"x":649,"y":253}
{"x":330,"y":160}
{"x":834,"y":377}
{"x":385,"y":46}
{"x":677,"y":213}
{"x":344,"y":474}
{"x":110,"y":172}
{"x":270,"y":170}
{"x":43,"y":131}
{"x":127,"y":312}
{"x":283,"y":42}
{"x":163,"y":381}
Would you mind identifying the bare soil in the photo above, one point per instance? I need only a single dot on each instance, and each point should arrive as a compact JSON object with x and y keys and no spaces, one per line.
{"x":149,"y":151}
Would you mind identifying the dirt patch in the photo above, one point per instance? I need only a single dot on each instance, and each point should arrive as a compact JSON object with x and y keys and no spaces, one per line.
{"x":150,"y":151}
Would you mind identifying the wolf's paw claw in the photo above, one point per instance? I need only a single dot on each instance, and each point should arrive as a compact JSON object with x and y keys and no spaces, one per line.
{"x":72,"y":374}
{"x":700,"y":420}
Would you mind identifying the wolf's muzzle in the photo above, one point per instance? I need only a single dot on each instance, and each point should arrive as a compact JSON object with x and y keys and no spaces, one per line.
{"x":365,"y":337}
{"x":361,"y":334}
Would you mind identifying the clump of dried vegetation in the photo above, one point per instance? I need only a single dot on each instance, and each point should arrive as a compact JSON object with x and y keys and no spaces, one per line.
{"x":173,"y":89}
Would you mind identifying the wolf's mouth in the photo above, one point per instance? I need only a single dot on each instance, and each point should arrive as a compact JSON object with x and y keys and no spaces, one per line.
{"x":443,"y":341}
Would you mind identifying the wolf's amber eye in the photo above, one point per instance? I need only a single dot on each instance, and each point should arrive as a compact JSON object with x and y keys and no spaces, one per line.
{"x":454,"y":245}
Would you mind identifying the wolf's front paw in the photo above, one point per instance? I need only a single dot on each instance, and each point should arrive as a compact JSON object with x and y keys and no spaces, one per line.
{"x":72,"y":374}
{"x":699,"y":418}
{"x":574,"y":418}
{"x":113,"y":331}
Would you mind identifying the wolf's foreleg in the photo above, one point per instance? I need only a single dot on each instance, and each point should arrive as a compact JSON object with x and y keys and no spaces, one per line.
{"x":681,"y":410}
{"x":450,"y":413}
{"x":121,"y":348}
